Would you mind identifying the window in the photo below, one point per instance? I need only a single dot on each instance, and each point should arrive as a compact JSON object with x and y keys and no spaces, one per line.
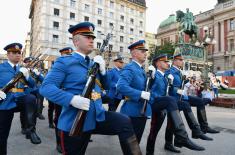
{"x":55,"y":38}
{"x":141,"y":14}
{"x":72,"y":3}
{"x":122,"y":18}
{"x":70,"y":40}
{"x":110,"y":25}
{"x":111,"y":4}
{"x":141,"y":33}
{"x":99,"y":22}
{"x":99,"y":34}
{"x":56,"y":12}
{"x":99,"y":11}
{"x":121,"y":28}
{"x":141,"y":23}
{"x":57,"y":1}
{"x":98,"y":45}
{"x":131,"y":31}
{"x":86,"y":19}
{"x":111,"y":14}
{"x":231,"y":45}
{"x":56,"y":25}
{"x":122,"y":7}
{"x":87,"y":7}
{"x":121,"y":39}
{"x":72,"y":15}
{"x":110,"y":47}
{"x":100,"y":1}
{"x":131,"y":40}
{"x":232,"y":24}
{"x":121,"y":49}
{"x":132,"y":21}
{"x":132,"y":10}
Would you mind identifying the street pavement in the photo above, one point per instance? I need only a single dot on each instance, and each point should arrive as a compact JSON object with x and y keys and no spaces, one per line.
{"x":220,"y":118}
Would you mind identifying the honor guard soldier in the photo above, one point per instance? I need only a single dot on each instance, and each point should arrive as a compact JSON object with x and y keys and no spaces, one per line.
{"x":57,"y":108}
{"x":159,"y":89}
{"x":113,"y":76}
{"x":177,"y":92}
{"x":16,"y":99}
{"x":70,"y":72}
{"x":132,"y":84}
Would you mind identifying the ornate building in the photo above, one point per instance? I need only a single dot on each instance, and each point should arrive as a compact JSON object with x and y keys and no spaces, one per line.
{"x":221,"y":23}
{"x":50,"y":20}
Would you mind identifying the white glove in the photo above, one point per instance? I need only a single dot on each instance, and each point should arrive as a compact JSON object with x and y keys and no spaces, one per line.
{"x":171,"y":78}
{"x":35,"y":70}
{"x":25,"y":72}
{"x":145,"y":95}
{"x":180,"y":92}
{"x":152,"y":68}
{"x":80,"y":102}
{"x":2,"y":95}
{"x":98,"y":59}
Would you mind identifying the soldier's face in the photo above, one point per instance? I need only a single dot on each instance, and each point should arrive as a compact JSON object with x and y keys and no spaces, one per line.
{"x":14,"y":57}
{"x":84,"y":44}
{"x":140,"y":55}
{"x":119,"y":64}
{"x":179,"y":62}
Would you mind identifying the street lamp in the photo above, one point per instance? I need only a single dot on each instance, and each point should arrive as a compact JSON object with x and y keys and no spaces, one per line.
{"x":208,"y":40}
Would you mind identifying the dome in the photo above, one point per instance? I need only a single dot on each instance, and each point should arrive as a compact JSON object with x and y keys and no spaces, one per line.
{"x":170,"y":20}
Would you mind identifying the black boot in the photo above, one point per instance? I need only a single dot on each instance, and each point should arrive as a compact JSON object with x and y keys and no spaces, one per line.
{"x":169,"y":137}
{"x":170,"y":147}
{"x":181,"y":136}
{"x":156,"y":123}
{"x":40,"y":107}
{"x":194,"y":126}
{"x":32,"y":135}
{"x":59,"y":148}
{"x":202,"y":119}
{"x":130,"y":146}
{"x":22,"y":121}
{"x":31,"y":118}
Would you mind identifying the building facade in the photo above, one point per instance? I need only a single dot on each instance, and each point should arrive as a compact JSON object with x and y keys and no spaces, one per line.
{"x":51,"y":19}
{"x":221,"y":23}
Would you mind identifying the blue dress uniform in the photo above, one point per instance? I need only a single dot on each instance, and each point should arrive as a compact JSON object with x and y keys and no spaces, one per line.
{"x":159,"y":90}
{"x":131,"y":83}
{"x":113,"y":76}
{"x":194,"y":101}
{"x":70,"y":72}
{"x":16,"y":100}
{"x":161,"y":103}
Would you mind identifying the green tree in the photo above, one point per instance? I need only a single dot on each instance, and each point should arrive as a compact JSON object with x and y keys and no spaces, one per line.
{"x":168,"y":48}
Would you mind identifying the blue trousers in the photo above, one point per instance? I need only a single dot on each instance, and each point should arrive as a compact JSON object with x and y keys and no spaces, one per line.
{"x":114,"y":124}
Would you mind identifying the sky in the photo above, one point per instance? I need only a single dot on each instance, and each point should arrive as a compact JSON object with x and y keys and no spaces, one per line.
{"x":15,"y":22}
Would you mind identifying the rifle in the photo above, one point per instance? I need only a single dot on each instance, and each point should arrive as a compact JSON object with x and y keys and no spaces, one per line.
{"x":11,"y":84}
{"x":81,"y":115}
{"x":182,"y":86}
{"x":148,"y":84}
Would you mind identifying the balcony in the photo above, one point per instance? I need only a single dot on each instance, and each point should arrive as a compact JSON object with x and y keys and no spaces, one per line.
{"x":224,"y":6}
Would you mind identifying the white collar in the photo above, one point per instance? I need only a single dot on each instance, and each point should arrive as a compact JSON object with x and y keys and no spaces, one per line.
{"x":160,"y":72}
{"x":138,"y":63}
{"x":83,"y":55}
{"x":117,"y":68}
{"x":176,"y":67}
{"x":12,"y":65}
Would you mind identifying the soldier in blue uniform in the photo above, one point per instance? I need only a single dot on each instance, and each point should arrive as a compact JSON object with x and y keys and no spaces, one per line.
{"x":159,"y":88}
{"x":38,"y":78}
{"x":16,"y":99}
{"x":177,"y":92}
{"x":113,"y":76}
{"x":132,"y":83}
{"x":70,"y":72}
{"x":56,"y":107}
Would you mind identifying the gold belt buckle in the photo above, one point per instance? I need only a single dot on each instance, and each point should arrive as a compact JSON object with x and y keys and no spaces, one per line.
{"x":95,"y":95}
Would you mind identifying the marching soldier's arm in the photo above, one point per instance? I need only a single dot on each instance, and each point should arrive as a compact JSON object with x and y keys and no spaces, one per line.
{"x":50,"y":87}
{"x":123,"y":85}
{"x":154,"y":89}
{"x":110,"y":76}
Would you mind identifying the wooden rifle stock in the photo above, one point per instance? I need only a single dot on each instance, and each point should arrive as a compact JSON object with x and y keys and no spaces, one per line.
{"x":81,"y":115}
{"x":149,"y":77}
{"x":78,"y":123}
